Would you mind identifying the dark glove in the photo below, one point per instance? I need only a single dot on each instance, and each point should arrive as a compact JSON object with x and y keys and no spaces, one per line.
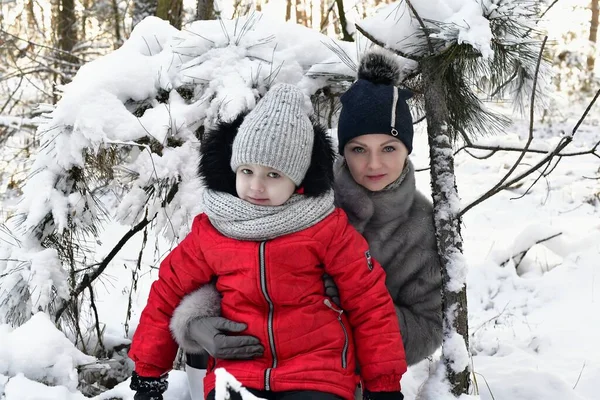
{"x":212,"y":334}
{"x":148,"y":388}
{"x":331,"y":290}
{"x":382,"y":395}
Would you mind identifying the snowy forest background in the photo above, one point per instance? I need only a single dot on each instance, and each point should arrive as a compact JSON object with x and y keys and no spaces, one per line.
{"x":99,"y":131}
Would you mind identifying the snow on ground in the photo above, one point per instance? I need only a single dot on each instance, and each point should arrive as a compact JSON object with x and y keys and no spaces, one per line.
{"x":533,"y":333}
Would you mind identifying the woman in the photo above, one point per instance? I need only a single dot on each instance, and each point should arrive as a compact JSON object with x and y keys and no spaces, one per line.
{"x":375,"y":186}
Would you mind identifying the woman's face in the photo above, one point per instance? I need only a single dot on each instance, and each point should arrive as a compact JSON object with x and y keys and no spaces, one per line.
{"x":375,"y":160}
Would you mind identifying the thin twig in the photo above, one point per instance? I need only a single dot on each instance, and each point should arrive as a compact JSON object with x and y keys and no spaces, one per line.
{"x":425,"y":30}
{"x":494,"y":149}
{"x":486,"y":384}
{"x":585,"y":113}
{"x":579,"y":377}
{"x":501,"y":185}
{"x":381,"y":44}
{"x":522,"y":254}
{"x":98,"y":330}
{"x":89,"y":278}
{"x":543,"y":174}
{"x":506,"y":83}
{"x":41,"y":45}
{"x":531,"y":117}
{"x":325,"y":22}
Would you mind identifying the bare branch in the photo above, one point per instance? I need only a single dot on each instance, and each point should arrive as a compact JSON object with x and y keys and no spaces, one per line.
{"x":522,"y":254}
{"x":500,"y":185}
{"x":325,"y":22}
{"x":494,"y":149}
{"x":89,"y":278}
{"x":97,"y":319}
{"x":381,"y":44}
{"x":55,"y":49}
{"x":425,"y":30}
{"x":564,"y":142}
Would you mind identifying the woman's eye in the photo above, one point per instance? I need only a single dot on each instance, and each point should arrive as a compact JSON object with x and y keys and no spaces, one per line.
{"x":246,"y":171}
{"x":358,"y":149}
{"x":389,"y":149}
{"x":273,"y":175}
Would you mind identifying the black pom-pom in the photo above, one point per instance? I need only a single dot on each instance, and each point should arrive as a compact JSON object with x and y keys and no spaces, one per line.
{"x":380,"y":67}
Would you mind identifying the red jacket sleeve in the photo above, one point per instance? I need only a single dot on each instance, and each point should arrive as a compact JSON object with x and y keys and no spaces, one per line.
{"x":370,"y":310}
{"x":153,"y":348}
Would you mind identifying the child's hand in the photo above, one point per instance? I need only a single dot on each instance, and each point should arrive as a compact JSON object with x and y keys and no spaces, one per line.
{"x":212,"y":334}
{"x":148,"y":388}
{"x":382,"y":395}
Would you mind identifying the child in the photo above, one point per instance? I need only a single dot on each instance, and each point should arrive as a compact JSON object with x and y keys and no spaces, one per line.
{"x":268,"y":234}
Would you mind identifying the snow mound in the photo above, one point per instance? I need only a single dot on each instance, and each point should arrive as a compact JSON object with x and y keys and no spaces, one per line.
{"x":40,"y":352}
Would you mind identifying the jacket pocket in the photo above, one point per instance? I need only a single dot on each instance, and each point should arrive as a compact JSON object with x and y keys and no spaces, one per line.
{"x":339,"y":313}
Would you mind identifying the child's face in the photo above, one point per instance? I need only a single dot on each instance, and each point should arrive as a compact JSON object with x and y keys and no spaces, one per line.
{"x":262,"y":185}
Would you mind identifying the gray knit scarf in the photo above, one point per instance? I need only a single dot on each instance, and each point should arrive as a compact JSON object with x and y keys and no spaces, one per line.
{"x":239,"y":219}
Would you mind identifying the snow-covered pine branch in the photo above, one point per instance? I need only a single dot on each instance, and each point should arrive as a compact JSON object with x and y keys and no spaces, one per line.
{"x":123,"y":141}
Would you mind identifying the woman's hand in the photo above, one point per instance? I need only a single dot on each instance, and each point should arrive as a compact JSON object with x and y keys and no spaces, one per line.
{"x":331,"y":290}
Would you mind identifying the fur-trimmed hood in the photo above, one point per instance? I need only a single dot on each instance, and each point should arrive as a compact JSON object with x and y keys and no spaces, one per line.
{"x":216,"y":149}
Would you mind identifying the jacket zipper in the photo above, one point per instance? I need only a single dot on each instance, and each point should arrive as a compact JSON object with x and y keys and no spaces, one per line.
{"x":263,"y":285}
{"x":339,"y":317}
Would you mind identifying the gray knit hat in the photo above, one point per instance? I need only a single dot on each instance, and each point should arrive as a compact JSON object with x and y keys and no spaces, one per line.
{"x":277,"y":133}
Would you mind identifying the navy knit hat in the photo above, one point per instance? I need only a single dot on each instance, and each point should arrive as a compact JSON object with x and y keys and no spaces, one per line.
{"x":373,"y":104}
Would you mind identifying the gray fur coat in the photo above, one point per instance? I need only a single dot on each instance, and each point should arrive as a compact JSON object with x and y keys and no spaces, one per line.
{"x":398,"y":225}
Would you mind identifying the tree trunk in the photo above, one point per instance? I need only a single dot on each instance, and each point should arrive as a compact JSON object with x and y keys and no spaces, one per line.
{"x":343,"y":22}
{"x":31,"y":20}
{"x":143,"y":9}
{"x":205,"y":10}
{"x":241,"y":8}
{"x":364,"y":11}
{"x":84,"y":18}
{"x":117,"y":25}
{"x":591,"y":61}
{"x":288,"y":10}
{"x":447,"y":226}
{"x":323,"y":13}
{"x":300,"y":13}
{"x":66,"y":29}
{"x":170,"y":10}
{"x":336,"y":27}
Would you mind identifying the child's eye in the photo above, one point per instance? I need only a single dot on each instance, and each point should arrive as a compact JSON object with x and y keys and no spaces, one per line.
{"x":389,"y":149}
{"x":246,"y":171}
{"x":273,"y":175}
{"x":358,"y":149}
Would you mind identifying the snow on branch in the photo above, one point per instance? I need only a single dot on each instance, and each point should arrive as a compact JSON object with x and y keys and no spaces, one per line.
{"x":122,"y":144}
{"x":417,"y":27}
{"x":483,"y":50}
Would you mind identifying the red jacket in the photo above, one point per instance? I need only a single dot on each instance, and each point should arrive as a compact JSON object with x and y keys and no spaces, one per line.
{"x":276,"y":288}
